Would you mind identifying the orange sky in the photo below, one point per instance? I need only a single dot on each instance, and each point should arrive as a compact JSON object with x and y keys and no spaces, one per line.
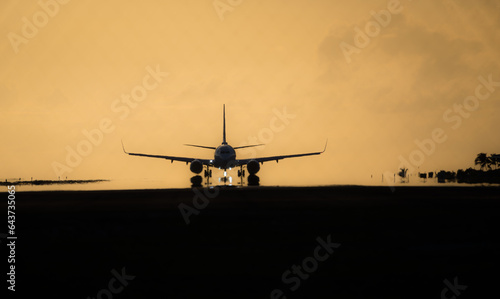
{"x":65,"y":68}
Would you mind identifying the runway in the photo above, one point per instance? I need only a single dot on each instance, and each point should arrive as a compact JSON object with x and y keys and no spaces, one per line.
{"x":262,"y":242}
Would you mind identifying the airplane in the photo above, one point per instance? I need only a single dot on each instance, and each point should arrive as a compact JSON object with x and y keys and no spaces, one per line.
{"x":224,"y":157}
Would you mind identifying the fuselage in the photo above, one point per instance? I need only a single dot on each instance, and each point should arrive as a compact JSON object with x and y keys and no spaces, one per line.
{"x":224,"y":156}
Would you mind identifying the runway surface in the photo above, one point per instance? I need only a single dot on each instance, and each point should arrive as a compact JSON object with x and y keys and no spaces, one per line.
{"x":374,"y":242}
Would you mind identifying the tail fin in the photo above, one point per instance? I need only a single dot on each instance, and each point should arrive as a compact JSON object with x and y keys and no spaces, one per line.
{"x":224,"y":124}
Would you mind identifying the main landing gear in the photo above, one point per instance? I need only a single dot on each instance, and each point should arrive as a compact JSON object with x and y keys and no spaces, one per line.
{"x":253,"y":180}
{"x":241,"y":174}
{"x":208,"y":174}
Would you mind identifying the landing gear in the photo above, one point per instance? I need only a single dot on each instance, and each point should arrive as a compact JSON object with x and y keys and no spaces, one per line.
{"x":226,"y":179}
{"x":241,"y":175}
{"x":208,"y":174}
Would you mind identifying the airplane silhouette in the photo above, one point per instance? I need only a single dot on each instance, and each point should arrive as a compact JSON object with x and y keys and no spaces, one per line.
{"x":224,"y":157}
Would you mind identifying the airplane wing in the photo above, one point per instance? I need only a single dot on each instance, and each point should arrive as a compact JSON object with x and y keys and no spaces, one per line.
{"x":171,"y":158}
{"x":277,"y":158}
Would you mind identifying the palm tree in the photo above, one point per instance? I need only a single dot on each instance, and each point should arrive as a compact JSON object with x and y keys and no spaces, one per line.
{"x":495,"y":160}
{"x":483,"y":160}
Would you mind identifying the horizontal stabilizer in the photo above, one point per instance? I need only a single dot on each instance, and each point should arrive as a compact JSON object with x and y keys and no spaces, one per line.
{"x":237,"y":147}
{"x":202,"y":146}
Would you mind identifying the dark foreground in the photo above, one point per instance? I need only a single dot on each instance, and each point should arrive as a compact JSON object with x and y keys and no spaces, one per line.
{"x":245,"y":243}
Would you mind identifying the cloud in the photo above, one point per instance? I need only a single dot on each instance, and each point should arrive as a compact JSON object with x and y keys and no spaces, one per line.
{"x":406,"y":64}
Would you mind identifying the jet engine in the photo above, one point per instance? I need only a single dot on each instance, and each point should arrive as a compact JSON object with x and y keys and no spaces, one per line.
{"x":253,"y":167}
{"x":196,"y":166}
